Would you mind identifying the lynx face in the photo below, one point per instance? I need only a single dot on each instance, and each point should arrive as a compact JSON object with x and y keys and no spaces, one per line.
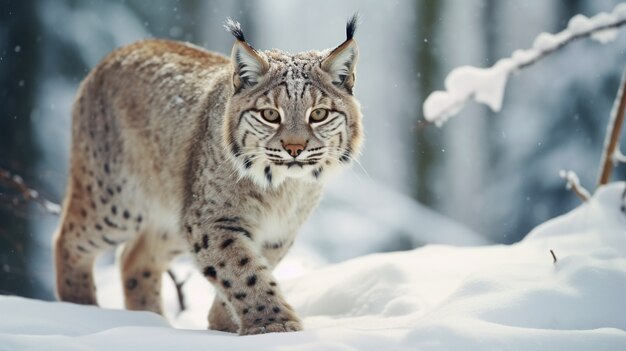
{"x":292,"y":115}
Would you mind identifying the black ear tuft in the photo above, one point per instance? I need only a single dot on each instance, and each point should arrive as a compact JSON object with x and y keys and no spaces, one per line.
{"x":351,"y":25}
{"x":234,"y":28}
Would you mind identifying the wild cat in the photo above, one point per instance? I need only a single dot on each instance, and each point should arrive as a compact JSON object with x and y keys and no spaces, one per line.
{"x":177,"y":150}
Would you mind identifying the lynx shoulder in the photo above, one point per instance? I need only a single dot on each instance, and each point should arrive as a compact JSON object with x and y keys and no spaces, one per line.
{"x":178,"y":150}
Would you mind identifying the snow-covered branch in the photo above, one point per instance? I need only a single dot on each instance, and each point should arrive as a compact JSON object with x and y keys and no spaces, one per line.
{"x":487,"y":85}
{"x":618,"y":157}
{"x":611,"y":152}
{"x":573,"y":183}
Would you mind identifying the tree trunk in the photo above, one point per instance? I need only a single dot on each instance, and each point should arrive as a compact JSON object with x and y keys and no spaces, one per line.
{"x":18,"y":67}
{"x":427,"y":16}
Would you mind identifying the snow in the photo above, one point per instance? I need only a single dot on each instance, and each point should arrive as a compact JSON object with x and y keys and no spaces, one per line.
{"x":463,"y":83}
{"x":487,"y":85}
{"x":573,"y":182}
{"x":434,"y":298}
{"x":359,"y":216}
{"x":618,"y":157}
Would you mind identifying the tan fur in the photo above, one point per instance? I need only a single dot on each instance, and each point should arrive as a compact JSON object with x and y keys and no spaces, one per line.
{"x":165,"y":161}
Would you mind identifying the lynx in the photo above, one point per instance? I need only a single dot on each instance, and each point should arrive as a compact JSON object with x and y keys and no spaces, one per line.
{"x":178,"y":150}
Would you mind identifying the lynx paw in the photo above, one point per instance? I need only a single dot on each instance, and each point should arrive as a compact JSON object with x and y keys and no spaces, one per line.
{"x":277,"y":327}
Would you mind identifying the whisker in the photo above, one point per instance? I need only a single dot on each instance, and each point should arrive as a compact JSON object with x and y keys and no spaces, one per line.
{"x":338,"y":154}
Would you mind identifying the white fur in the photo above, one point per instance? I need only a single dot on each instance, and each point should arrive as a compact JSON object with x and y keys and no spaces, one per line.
{"x":251,"y":68}
{"x":343,"y":63}
{"x":272,"y":227}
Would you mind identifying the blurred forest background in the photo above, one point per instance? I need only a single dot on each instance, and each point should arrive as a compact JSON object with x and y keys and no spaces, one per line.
{"x":482,"y":178}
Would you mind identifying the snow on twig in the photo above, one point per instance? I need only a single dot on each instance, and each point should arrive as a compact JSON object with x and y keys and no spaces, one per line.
{"x":618,"y":157}
{"x":487,"y":85}
{"x":573,"y":183}
{"x":610,"y":151}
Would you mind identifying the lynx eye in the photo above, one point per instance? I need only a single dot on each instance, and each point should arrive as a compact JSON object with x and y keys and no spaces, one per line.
{"x":318,"y":115}
{"x":271,"y":115}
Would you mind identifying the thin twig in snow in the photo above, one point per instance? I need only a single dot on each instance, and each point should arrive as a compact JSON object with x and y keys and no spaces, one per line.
{"x":553,"y":256}
{"x":573,"y":183}
{"x":611,"y":151}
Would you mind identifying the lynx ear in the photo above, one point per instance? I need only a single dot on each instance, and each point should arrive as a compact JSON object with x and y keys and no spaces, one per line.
{"x":248,"y":64}
{"x":341,"y":62}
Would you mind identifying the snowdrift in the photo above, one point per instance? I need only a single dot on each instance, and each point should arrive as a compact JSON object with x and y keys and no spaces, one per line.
{"x":433,"y":298}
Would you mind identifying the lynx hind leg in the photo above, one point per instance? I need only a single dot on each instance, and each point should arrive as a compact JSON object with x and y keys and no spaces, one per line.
{"x":220,"y":318}
{"x":144,"y":260}
{"x":90,"y":224}
{"x":74,"y":264}
{"x":75,"y":250}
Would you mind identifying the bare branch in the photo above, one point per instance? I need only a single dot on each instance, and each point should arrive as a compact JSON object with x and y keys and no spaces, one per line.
{"x":611,"y":152}
{"x":16,"y":182}
{"x":573,"y":183}
{"x":179,"y":289}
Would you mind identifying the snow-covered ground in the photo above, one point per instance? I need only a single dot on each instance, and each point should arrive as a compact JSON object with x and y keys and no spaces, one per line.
{"x":433,"y":298}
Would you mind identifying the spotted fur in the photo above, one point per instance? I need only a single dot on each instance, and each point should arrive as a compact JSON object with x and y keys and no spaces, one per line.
{"x":171,"y":154}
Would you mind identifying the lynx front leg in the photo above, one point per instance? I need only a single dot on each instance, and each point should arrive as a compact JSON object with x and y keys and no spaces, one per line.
{"x":241,"y":275}
{"x":220,"y":318}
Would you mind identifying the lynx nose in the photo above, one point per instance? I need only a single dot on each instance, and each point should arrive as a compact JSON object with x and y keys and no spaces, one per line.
{"x":294,"y":149}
